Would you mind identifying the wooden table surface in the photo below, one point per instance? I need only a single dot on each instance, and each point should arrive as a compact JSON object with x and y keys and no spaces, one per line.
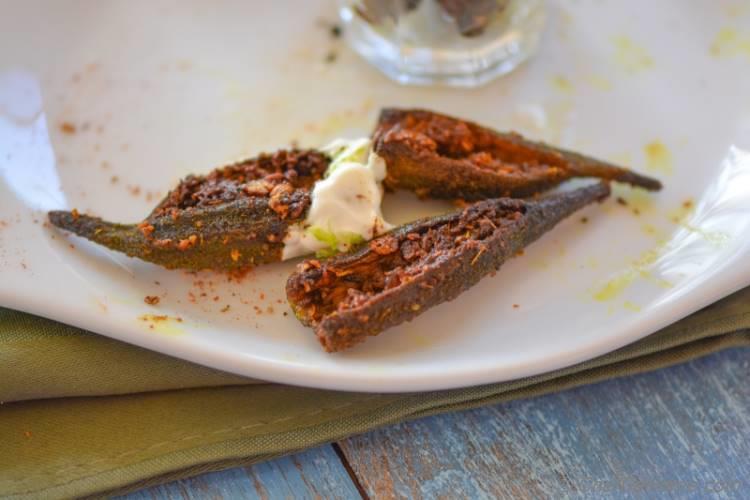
{"x":680,"y":432}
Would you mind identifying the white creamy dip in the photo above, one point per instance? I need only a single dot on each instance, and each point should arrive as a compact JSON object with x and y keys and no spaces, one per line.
{"x":345,"y":208}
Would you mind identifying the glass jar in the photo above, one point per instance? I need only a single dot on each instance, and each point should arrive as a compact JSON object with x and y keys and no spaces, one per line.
{"x":452,"y":42}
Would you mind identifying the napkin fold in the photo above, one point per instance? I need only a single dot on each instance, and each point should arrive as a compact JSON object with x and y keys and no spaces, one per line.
{"x":82,"y":414}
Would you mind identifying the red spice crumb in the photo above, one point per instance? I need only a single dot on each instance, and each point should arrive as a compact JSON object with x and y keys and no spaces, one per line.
{"x":151,"y":300}
{"x":225,"y":308}
{"x":621,"y":201}
{"x":687,"y":203}
{"x":67,"y":128}
{"x":134,"y":190}
{"x":27,"y":434}
{"x":519,"y":253}
{"x":269,"y":309}
{"x":216,"y":298}
{"x":146,"y":228}
{"x":238,"y":275}
{"x":310,"y":264}
{"x":72,"y":246}
{"x":262,"y":296}
{"x":516,"y":306}
{"x":187,"y":242}
{"x":384,"y":246}
{"x":114,"y":179}
{"x":162,"y":243}
{"x":235,"y":255}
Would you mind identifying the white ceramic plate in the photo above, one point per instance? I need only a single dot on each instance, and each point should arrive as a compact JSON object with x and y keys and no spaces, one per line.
{"x":156,"y":90}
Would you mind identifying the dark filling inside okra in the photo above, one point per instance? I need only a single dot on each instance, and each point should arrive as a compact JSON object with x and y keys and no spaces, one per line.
{"x":283,"y":171}
{"x":458,"y":140}
{"x":394,"y":259}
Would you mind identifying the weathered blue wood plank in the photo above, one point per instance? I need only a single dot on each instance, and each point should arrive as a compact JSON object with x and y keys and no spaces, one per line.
{"x":682,"y":432}
{"x":316,"y":473}
{"x":679,"y":432}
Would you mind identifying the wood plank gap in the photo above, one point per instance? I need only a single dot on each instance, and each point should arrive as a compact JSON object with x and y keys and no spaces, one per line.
{"x":350,"y":471}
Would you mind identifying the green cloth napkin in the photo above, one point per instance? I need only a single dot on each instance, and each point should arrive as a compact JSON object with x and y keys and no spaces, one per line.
{"x":81,"y":414}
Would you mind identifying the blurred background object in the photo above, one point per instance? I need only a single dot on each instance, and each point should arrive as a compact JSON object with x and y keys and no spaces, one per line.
{"x":451,"y":42}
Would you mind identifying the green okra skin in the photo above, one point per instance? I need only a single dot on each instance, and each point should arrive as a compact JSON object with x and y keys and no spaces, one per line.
{"x":318,"y":291}
{"x":440,"y":156}
{"x":230,"y":219}
{"x":228,"y":237}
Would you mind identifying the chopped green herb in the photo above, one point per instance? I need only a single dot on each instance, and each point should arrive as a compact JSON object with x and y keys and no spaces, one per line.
{"x":335,"y":242}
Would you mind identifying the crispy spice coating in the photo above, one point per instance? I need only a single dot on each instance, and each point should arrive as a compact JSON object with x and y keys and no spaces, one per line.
{"x":445,"y":157}
{"x":233,"y":218}
{"x":399,"y":275}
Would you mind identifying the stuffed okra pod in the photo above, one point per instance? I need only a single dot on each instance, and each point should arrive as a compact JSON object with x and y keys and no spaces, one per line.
{"x":440,"y":156}
{"x":401,"y":274}
{"x":233,"y":218}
